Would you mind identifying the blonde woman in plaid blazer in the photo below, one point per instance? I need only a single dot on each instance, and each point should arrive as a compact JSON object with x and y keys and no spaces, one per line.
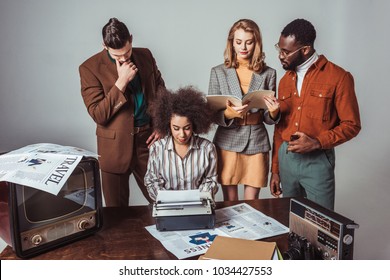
{"x":241,"y":138}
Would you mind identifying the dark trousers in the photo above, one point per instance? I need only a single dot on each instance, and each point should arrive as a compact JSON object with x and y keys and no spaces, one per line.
{"x":116,"y":188}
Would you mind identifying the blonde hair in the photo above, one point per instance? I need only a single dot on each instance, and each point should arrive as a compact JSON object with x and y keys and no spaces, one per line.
{"x":257,"y":60}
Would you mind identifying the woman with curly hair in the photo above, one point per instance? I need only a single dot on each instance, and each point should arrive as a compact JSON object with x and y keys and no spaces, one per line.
{"x":181,"y":160}
{"x":241,"y":138}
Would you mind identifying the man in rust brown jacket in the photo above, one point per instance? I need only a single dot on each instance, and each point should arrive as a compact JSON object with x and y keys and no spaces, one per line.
{"x":319,"y":111}
{"x":116,"y":85}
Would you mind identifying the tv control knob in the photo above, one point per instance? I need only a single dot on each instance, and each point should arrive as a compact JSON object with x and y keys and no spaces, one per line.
{"x":36,"y":239}
{"x":83,"y":224}
{"x":348,"y":239}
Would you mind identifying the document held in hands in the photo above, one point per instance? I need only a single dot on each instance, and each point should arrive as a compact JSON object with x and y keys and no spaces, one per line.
{"x":254,"y":99}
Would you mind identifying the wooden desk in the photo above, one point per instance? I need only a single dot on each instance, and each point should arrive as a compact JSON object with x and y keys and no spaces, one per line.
{"x":124,"y":236}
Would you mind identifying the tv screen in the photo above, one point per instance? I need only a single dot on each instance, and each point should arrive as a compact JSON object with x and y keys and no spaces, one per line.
{"x":77,"y":196}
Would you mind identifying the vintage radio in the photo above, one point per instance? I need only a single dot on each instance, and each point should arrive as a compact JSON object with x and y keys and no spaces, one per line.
{"x":33,"y":221}
{"x":318,"y":233}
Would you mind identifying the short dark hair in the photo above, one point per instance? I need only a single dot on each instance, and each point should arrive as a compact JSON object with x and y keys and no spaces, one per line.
{"x":185,"y":102}
{"x":115,"y":34}
{"x":303,"y":31}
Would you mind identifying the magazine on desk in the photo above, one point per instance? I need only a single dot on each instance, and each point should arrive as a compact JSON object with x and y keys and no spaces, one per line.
{"x":239,"y":221}
{"x":254,"y":99}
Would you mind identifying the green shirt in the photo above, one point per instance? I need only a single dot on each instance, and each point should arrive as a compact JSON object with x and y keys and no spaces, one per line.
{"x":141,"y":117}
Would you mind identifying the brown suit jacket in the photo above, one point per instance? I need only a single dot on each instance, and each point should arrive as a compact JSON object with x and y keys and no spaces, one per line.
{"x":113,"y":110}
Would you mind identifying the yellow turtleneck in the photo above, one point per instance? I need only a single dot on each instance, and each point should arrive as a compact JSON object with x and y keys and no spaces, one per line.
{"x":244,"y":75}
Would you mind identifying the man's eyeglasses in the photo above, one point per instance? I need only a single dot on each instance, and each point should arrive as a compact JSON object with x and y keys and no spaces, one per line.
{"x":287,"y":54}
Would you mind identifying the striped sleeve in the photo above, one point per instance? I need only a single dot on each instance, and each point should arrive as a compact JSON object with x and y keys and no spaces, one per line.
{"x":153,"y":180}
{"x":209,"y":182}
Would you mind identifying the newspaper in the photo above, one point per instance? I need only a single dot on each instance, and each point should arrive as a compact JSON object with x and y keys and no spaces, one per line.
{"x":244,"y":221}
{"x":238,"y":221}
{"x":43,"y":166}
{"x":186,"y":243}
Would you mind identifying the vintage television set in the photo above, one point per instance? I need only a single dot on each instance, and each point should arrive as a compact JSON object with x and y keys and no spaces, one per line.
{"x":33,"y":221}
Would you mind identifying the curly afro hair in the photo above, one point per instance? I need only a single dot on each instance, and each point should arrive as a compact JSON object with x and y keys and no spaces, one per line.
{"x":185,"y":102}
{"x":303,"y":31}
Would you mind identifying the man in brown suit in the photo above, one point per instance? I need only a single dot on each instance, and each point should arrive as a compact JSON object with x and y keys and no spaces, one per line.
{"x":116,"y":85}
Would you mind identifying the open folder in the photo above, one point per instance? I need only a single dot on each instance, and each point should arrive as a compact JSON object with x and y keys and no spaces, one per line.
{"x":254,"y":99}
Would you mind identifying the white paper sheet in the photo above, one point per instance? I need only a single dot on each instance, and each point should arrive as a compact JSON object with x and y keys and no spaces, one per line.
{"x":178,"y":196}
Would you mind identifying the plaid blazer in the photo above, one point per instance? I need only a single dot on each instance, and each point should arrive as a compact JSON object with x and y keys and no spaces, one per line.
{"x":247,"y":139}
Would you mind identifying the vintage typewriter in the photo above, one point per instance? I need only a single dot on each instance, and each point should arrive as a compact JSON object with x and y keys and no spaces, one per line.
{"x":184,"y":210}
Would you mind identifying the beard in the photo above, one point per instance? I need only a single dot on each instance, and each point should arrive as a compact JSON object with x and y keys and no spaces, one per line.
{"x":294,"y":63}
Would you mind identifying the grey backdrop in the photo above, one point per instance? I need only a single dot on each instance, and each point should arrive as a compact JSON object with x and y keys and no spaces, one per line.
{"x":43,"y":42}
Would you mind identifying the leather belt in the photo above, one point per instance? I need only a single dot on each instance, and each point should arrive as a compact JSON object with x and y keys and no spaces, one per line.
{"x":138,"y":129}
{"x":251,"y":118}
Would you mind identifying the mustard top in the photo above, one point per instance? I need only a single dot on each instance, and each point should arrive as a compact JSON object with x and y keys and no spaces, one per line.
{"x":244,"y":75}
